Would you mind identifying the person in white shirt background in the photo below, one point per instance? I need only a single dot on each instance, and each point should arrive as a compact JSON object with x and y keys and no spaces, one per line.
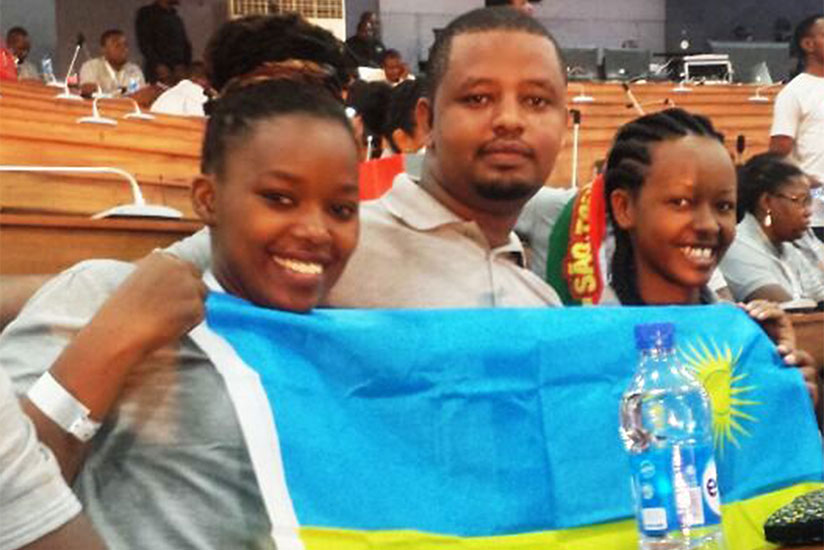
{"x":112,"y":72}
{"x":188,"y":96}
{"x":798,"y":118}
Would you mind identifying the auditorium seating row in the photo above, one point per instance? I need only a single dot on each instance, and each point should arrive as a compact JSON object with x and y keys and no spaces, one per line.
{"x":40,"y":212}
{"x":45,"y":223}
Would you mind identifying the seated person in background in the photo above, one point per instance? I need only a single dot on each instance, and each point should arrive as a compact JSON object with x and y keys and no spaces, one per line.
{"x":798,"y":117}
{"x":371,"y":103}
{"x":169,"y":469}
{"x":38,"y":511}
{"x":402,"y":132}
{"x":775,"y":202}
{"x":111,"y":73}
{"x":394,"y":68}
{"x":188,"y":96}
{"x":671,"y":195}
{"x":17,"y":40}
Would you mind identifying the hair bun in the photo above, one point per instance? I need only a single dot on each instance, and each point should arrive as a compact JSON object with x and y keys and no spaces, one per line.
{"x":297,"y":70}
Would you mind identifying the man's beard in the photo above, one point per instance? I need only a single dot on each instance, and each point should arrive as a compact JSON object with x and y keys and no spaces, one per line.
{"x":500,"y":190}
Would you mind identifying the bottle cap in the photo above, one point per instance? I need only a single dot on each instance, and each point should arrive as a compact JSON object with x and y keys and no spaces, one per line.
{"x":654,"y":336}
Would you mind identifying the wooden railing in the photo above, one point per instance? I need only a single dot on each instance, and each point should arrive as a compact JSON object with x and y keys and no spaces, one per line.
{"x":32,"y":243}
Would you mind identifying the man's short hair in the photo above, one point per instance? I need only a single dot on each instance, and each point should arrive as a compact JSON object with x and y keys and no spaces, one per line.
{"x":475,"y":21}
{"x":15,"y":31}
{"x":111,"y":33}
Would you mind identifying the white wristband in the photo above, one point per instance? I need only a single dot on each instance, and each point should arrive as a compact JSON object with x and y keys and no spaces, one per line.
{"x":67,"y":412}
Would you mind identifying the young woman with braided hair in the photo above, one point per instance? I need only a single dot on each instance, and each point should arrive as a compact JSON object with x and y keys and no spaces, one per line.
{"x":169,"y":467}
{"x":671,"y":196}
{"x":668,"y":173}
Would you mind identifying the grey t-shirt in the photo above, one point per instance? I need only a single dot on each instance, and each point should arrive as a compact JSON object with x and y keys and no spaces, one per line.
{"x":753,"y":262}
{"x":169,"y":468}
{"x":537,"y":220}
{"x":34,"y":499}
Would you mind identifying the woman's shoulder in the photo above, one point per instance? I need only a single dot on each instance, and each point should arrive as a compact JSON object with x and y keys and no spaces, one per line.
{"x":80,"y":289}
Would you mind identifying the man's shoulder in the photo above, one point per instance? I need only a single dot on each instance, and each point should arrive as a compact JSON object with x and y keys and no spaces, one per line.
{"x":99,"y":274}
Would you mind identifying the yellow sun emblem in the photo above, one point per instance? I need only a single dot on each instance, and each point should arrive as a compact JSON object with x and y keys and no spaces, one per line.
{"x":720,"y":374}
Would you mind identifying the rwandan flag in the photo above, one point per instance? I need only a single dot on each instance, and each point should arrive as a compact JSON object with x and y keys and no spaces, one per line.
{"x":432,"y":429}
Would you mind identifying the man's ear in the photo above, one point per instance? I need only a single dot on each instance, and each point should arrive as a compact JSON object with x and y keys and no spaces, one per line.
{"x":204,"y":199}
{"x":623,"y":208}
{"x":424,"y":115}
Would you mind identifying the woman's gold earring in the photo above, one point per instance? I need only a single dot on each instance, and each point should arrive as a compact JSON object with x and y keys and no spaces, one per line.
{"x":768,"y":219}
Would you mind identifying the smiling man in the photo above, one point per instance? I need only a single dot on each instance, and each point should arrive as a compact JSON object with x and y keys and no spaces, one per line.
{"x":495,"y":115}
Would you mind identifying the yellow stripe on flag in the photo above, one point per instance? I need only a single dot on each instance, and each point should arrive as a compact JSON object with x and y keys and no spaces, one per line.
{"x":743,"y":530}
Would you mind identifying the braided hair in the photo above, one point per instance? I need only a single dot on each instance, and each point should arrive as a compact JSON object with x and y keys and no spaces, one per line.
{"x":237,"y":112}
{"x":627,"y":167}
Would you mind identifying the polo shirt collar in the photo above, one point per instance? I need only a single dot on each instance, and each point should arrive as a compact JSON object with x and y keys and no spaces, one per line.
{"x":412,"y":204}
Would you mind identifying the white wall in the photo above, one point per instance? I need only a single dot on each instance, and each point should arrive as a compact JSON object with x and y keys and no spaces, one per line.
{"x":605,"y":23}
{"x":408,"y":25}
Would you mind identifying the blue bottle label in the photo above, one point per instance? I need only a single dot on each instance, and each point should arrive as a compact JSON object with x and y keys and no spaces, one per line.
{"x":675,"y":487}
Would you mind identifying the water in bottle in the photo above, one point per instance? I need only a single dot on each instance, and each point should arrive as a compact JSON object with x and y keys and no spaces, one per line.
{"x":47,"y":69}
{"x":666,"y":427}
{"x":133,"y":86}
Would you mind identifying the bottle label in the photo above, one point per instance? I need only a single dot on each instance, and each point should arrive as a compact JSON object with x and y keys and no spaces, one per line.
{"x":674,"y":488}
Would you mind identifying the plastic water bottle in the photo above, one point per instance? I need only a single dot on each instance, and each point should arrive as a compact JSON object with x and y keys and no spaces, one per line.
{"x":666,"y":427}
{"x":133,"y":85}
{"x":48,"y":69}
